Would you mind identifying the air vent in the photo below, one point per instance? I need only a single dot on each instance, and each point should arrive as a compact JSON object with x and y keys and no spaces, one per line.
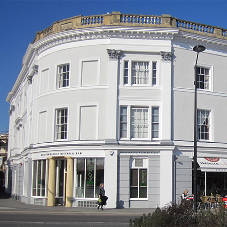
{"x":38,"y":201}
{"x":138,"y":162}
{"x":89,"y":204}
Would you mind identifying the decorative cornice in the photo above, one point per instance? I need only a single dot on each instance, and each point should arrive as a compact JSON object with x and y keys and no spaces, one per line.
{"x":114,"y":54}
{"x":34,"y":71}
{"x":166,"y":56}
{"x":105,"y":32}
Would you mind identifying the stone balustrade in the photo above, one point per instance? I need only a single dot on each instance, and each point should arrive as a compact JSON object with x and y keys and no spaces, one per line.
{"x":116,"y":18}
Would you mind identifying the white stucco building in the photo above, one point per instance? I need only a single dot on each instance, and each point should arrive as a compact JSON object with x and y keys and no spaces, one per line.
{"x":110,"y":98}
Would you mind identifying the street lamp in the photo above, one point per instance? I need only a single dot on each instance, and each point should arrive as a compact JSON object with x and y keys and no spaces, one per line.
{"x":198,"y":49}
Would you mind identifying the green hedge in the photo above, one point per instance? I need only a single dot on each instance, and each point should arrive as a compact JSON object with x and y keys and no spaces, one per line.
{"x":177,"y":215}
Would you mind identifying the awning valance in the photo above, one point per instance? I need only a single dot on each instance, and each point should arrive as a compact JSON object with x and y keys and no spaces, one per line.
{"x":212,"y":164}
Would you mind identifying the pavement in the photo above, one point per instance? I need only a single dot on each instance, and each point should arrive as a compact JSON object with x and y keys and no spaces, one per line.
{"x":9,"y":205}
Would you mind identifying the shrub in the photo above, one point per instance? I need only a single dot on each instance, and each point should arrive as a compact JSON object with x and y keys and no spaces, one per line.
{"x":182,"y":214}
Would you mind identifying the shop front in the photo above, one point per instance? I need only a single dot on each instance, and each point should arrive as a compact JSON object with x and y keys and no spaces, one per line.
{"x":212,"y":177}
{"x":72,"y":179}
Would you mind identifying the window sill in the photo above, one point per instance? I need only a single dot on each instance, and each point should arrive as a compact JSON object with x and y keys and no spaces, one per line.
{"x":138,"y":199}
{"x":39,"y":197}
{"x":139,"y":86}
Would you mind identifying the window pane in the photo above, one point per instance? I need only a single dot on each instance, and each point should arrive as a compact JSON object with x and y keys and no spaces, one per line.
{"x":123,"y":122}
{"x":63,"y":75}
{"x":80,"y":177}
{"x":126,"y":72}
{"x":134,"y":192}
{"x":89,"y":191}
{"x":61,"y":177}
{"x":134,"y":177}
{"x":39,"y":178}
{"x":139,"y":123}
{"x":134,"y":183}
{"x":61,"y":123}
{"x":202,"y":77}
{"x":143,"y":192}
{"x":203,"y":124}
{"x":143,"y":177}
{"x":34,"y":177}
{"x":155,"y":122}
{"x":43,"y":178}
{"x":140,"y":72}
{"x":154,"y":67}
{"x":99,"y":175}
{"x":143,"y":183}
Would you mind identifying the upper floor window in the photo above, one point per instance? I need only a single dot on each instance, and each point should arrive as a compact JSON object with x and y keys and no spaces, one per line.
{"x":134,"y":123}
{"x":140,"y":73}
{"x":203,"y":124}
{"x":203,"y":78}
{"x":155,"y":122}
{"x":154,"y":73}
{"x":63,"y":75}
{"x":61,"y":123}
{"x":139,"y":122}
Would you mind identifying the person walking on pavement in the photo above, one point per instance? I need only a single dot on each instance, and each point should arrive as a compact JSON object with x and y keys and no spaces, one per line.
{"x":102,"y":196}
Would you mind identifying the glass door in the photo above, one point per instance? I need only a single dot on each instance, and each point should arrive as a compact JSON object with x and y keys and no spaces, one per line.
{"x":61,"y":173}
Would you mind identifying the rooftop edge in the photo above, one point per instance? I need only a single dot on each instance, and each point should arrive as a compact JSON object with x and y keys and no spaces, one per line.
{"x":117,"y":18}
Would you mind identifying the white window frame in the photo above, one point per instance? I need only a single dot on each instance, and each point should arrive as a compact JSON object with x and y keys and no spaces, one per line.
{"x":36,"y":178}
{"x":155,"y":123}
{"x":77,"y":179}
{"x":142,"y":126}
{"x":150,"y":73}
{"x":154,"y":73}
{"x":128,"y":122}
{"x":59,"y":125}
{"x":209,"y":124}
{"x":59,"y":74}
{"x":144,"y":166}
{"x":210,"y":68}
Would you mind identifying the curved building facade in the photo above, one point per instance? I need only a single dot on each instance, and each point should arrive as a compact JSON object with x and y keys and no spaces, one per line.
{"x":110,"y":99}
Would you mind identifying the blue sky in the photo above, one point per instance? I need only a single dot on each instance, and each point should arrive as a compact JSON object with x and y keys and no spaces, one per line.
{"x":20,"y":20}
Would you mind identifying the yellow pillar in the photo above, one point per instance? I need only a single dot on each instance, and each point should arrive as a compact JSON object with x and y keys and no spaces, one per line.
{"x":51,"y":183}
{"x":69,"y":183}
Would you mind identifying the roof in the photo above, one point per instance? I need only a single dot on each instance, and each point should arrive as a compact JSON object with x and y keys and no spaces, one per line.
{"x":116,"y":18}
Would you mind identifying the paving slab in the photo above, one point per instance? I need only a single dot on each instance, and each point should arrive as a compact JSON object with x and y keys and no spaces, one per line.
{"x":15,"y":206}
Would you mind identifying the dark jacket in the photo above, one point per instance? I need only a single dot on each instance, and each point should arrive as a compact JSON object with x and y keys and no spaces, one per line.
{"x":102,"y":196}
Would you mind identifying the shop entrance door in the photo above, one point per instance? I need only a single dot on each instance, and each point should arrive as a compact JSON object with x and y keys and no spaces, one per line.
{"x":61,"y":175}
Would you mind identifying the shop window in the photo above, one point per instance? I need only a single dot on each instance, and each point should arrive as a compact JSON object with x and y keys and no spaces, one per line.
{"x":90,"y":173}
{"x":138,"y":179}
{"x":39,"y":177}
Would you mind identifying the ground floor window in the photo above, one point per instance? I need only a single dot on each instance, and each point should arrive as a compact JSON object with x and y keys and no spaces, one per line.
{"x":90,"y":173}
{"x":138,"y":178}
{"x":211,"y":183}
{"x":39,"y":177}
